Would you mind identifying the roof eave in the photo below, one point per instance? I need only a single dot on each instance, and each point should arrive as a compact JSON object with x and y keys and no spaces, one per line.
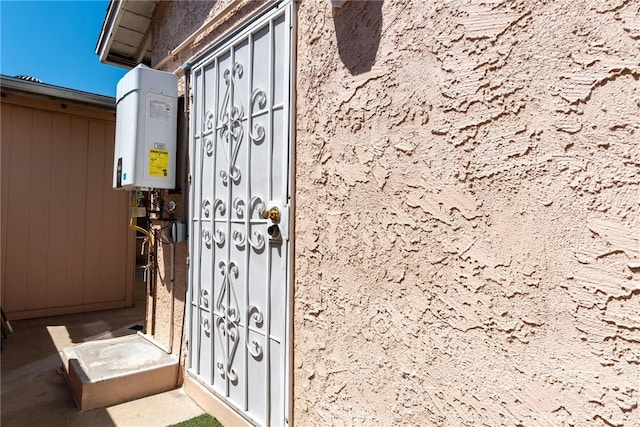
{"x":114,"y":33}
{"x":107,"y":33}
{"x":33,"y":88}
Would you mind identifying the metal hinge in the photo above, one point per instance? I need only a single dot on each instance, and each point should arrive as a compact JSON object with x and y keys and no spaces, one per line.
{"x":189,"y":179}
{"x":188,"y":261}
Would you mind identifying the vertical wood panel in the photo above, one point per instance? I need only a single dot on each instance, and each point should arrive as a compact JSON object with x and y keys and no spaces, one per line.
{"x":66,"y":244}
{"x":112,"y":265}
{"x":38,"y":229}
{"x":73,"y":291}
{"x":5,"y":169}
{"x":94,"y":238}
{"x":58,"y":211}
{"x":18,"y":209}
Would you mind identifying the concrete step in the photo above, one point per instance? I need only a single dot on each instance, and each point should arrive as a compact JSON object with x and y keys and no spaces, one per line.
{"x":112,"y":371}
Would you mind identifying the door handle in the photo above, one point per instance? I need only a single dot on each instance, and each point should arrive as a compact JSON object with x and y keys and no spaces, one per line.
{"x":273,"y":214}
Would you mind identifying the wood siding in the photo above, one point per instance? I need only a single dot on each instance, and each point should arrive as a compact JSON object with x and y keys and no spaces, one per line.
{"x":66,"y":245}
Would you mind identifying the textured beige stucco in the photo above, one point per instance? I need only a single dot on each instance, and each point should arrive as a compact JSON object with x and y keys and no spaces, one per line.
{"x":467,"y":210}
{"x":467,"y":213}
{"x":175,"y":22}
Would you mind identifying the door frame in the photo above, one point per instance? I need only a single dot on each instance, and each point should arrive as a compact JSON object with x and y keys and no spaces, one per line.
{"x":206,"y":397}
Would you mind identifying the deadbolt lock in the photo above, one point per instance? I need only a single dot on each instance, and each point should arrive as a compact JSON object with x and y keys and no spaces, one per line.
{"x":273,"y":214}
{"x":274,"y":231}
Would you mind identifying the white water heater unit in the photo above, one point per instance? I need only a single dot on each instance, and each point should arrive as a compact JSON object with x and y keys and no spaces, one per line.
{"x":146,"y":121}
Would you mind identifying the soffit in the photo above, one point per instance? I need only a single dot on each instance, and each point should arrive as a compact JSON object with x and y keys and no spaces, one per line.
{"x":125,"y":38}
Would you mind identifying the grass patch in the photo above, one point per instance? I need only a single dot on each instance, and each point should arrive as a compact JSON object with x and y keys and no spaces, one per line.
{"x":204,"y":420}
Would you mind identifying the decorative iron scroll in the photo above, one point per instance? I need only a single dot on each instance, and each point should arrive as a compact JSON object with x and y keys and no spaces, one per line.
{"x":255,"y":314}
{"x":205,"y":326}
{"x":220,"y":206}
{"x":258,"y":97}
{"x":256,"y":240}
{"x":228,"y":323}
{"x":230,"y":120}
{"x":206,"y":205}
{"x":230,"y":117}
{"x":225,"y":128}
{"x":257,"y":205}
{"x":209,"y":118}
{"x":254,"y":347}
{"x":206,"y":238}
{"x":219,"y":237}
{"x":238,"y":206}
{"x":208,"y":146}
{"x":204,"y":298}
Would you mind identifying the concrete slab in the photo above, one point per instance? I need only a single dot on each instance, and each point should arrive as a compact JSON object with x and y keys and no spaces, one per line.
{"x":44,"y":399}
{"x":35,"y":393}
{"x":112,"y":371}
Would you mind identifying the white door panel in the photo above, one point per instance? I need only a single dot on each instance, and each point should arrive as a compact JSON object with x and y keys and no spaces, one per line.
{"x":238,"y":275}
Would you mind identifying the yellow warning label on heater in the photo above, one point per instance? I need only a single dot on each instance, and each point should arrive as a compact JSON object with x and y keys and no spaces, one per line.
{"x":158,"y":162}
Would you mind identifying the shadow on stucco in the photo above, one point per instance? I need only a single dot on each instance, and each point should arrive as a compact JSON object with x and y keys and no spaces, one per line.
{"x":358,"y":27}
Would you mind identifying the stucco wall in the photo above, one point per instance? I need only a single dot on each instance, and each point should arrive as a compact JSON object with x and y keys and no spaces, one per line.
{"x":467,"y":213}
{"x":467,"y":217}
{"x":175,"y":22}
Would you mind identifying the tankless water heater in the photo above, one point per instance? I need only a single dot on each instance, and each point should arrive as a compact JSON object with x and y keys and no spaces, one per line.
{"x":146,"y":121}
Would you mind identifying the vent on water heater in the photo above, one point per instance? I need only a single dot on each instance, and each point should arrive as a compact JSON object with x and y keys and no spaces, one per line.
{"x":146,"y":120}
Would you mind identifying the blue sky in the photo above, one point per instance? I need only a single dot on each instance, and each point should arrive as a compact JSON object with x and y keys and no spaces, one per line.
{"x":55,"y":42}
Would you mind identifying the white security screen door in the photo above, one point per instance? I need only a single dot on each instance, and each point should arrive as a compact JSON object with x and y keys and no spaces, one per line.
{"x":238,"y":298}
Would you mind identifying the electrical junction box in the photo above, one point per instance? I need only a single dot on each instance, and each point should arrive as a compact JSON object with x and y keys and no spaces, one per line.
{"x":146,"y":130}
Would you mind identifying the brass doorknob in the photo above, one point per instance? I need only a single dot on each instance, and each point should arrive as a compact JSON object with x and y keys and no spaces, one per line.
{"x":273,"y":214}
